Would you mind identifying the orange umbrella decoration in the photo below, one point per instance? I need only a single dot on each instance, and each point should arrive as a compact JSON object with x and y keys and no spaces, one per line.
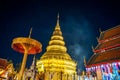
{"x":26,"y":46}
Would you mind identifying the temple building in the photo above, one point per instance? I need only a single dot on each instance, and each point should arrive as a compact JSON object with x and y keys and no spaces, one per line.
{"x":105,"y":62}
{"x":6,"y":70}
{"x":56,"y":63}
{"x":31,"y":74}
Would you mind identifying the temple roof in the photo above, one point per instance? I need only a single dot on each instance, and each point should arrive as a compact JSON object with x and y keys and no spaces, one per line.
{"x":108,"y":48}
{"x":110,"y":33}
{"x":3,"y":63}
{"x":105,"y":57}
{"x":109,"y":38}
{"x":108,"y":43}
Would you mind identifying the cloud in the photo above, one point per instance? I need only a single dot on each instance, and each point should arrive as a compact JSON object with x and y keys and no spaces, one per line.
{"x":76,"y":49}
{"x":78,"y":36}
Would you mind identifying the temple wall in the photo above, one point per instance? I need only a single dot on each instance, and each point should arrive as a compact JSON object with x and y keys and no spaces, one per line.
{"x":59,"y":76}
{"x":106,"y":71}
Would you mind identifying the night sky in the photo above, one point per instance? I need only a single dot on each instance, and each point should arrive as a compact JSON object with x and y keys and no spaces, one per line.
{"x":80,"y":22}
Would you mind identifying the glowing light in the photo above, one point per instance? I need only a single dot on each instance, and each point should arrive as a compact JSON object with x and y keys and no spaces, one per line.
{"x":102,"y":66}
{"x":96,"y":67}
{"x":92,"y":67}
{"x":1,"y":71}
{"x":119,"y":63}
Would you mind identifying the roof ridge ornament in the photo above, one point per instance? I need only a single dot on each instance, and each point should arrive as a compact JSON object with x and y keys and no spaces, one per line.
{"x":93,"y":48}
{"x":85,"y":61}
{"x":100,"y":30}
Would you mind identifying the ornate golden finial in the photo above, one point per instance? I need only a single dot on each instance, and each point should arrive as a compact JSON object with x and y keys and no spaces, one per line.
{"x":30,"y":32}
{"x":58,"y":19}
{"x":100,"y":30}
{"x":97,"y":39}
{"x":84,"y":61}
{"x":34,"y":61}
{"x":92,"y":48}
{"x":34,"y":57}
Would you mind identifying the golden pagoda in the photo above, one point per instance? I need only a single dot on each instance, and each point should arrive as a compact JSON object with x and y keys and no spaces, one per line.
{"x":55,"y":63}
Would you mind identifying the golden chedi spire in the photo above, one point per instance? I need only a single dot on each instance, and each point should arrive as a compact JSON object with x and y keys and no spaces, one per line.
{"x":58,"y":20}
{"x":56,"y":58}
{"x":56,"y":42}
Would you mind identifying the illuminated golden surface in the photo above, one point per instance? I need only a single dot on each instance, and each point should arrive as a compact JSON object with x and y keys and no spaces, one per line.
{"x":56,"y":61}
